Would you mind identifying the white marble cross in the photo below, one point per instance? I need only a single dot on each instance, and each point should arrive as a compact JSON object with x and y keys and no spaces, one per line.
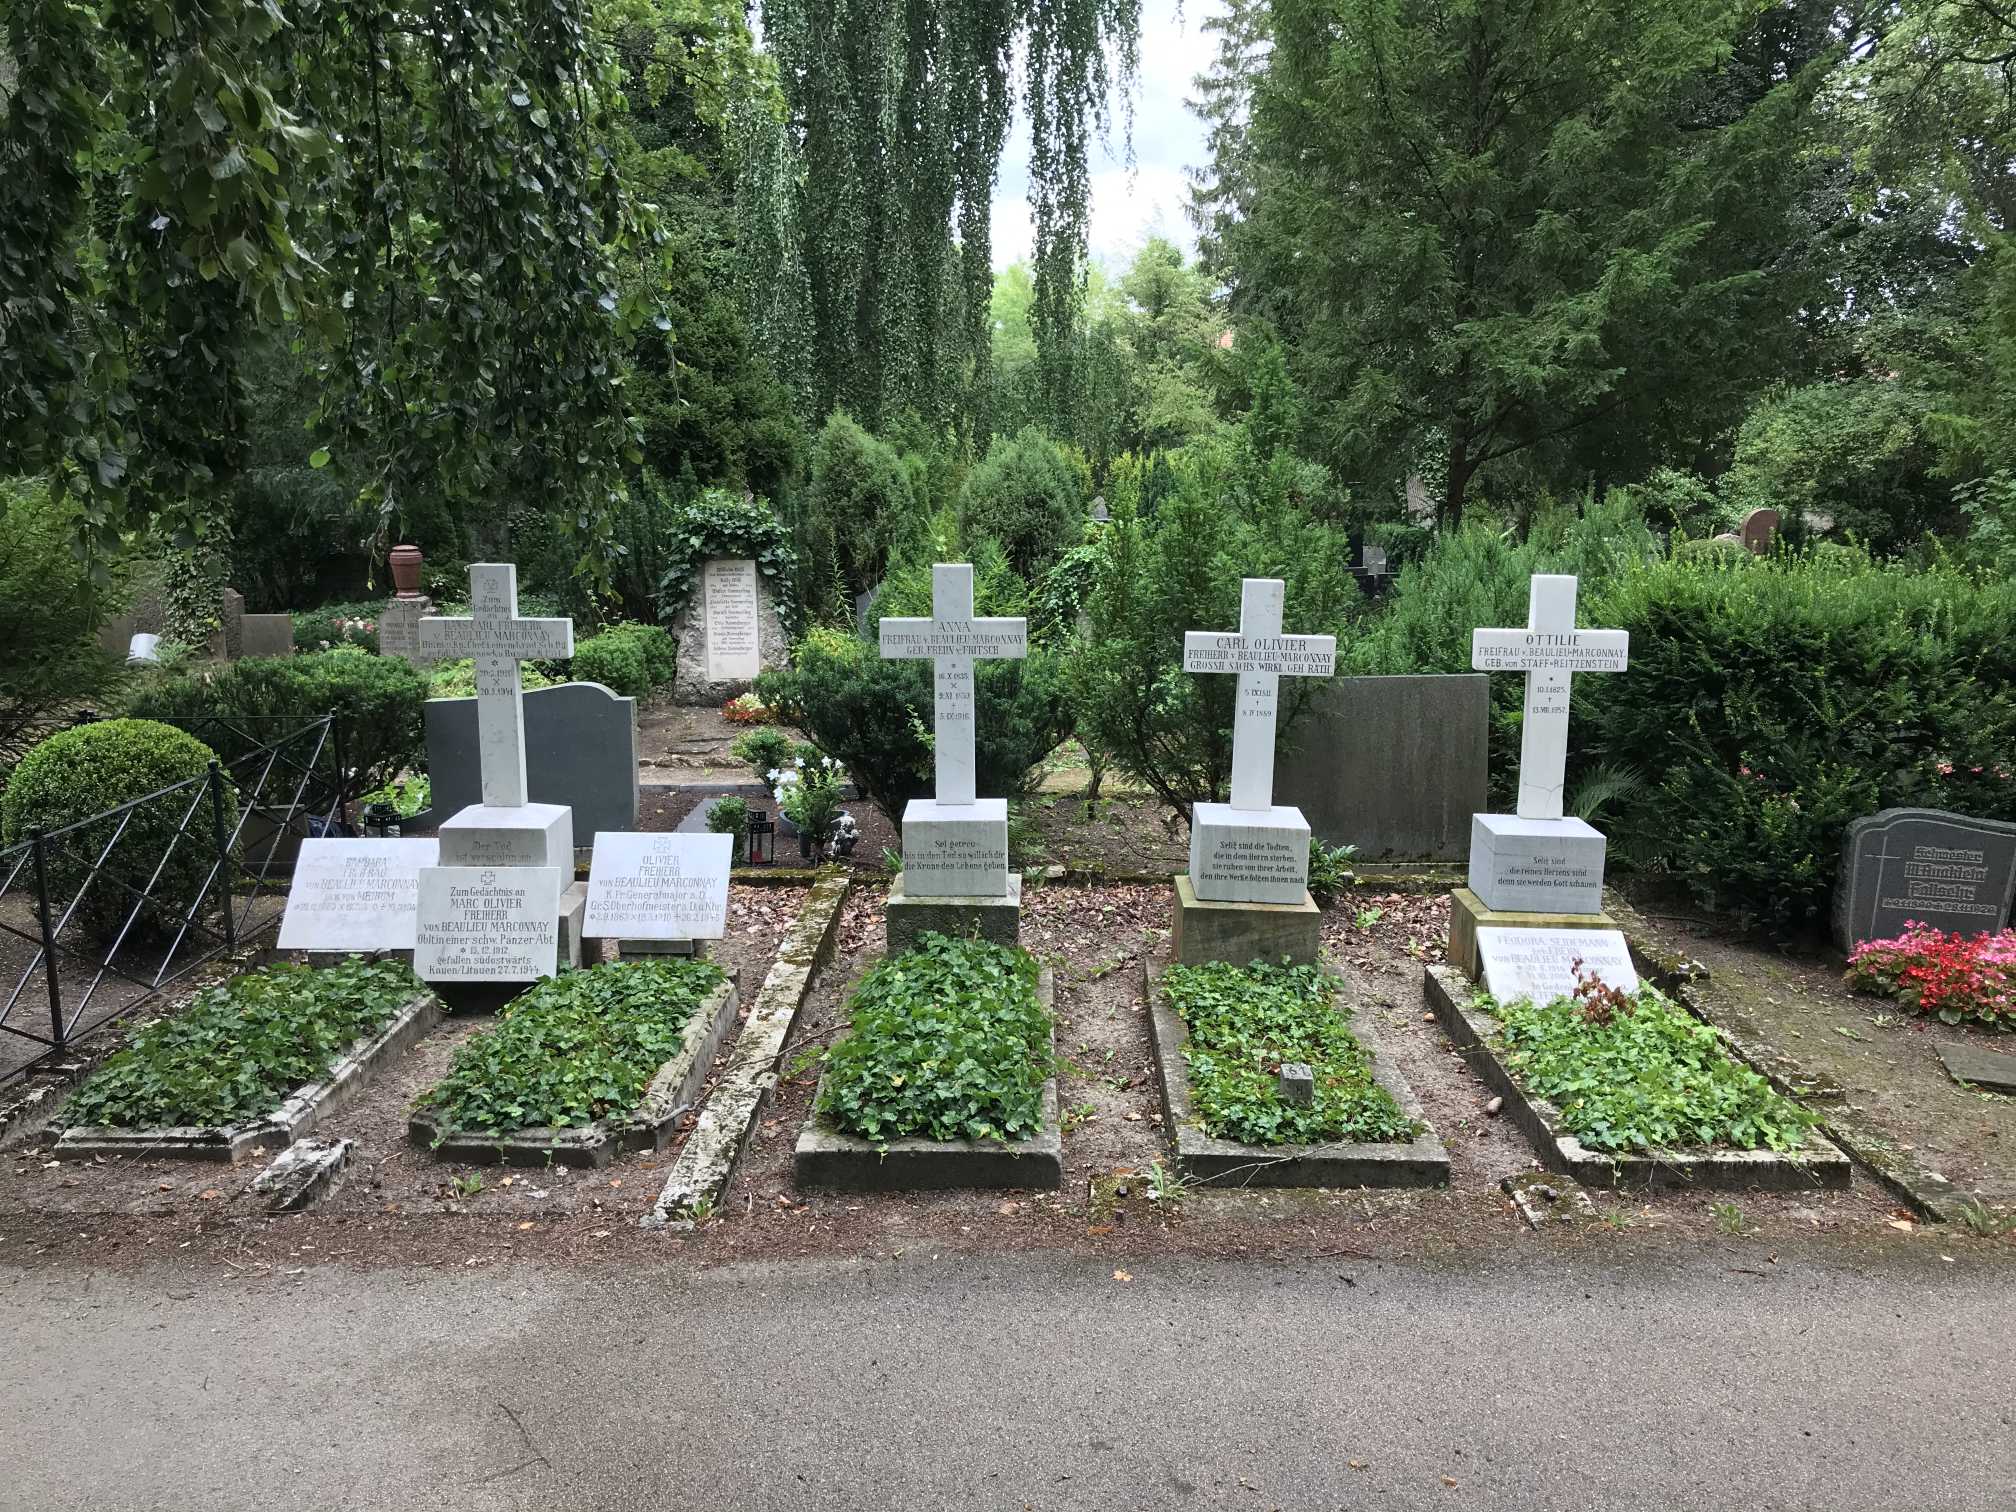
{"x":1262,"y":656}
{"x":498,"y":640}
{"x":953,"y":639}
{"x":1550,"y":651}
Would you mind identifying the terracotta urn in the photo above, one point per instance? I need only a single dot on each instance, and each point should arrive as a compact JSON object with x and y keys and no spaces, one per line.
{"x":405,"y":562}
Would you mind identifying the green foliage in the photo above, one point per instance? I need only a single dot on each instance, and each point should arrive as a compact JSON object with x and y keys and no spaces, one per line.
{"x":239,"y":1050}
{"x":766,"y":749}
{"x":335,"y":625}
{"x":730,"y":816}
{"x":378,"y":700}
{"x":1650,"y":1078}
{"x":50,"y":660}
{"x":859,"y":513}
{"x":1024,"y":495}
{"x":1329,"y":871}
{"x":408,"y":795}
{"x":457,"y":679}
{"x":630,"y":660}
{"x":574,"y":1048}
{"x":723,"y":524}
{"x":1245,"y":1023}
{"x":84,"y":772}
{"x":947,"y":1041}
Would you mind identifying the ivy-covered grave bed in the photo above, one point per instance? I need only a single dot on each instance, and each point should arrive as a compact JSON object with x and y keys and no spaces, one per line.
{"x":581,"y":1067}
{"x":253,"y":1063}
{"x":1630,"y":1089}
{"x":946,"y":1077}
{"x":1222,"y":1035}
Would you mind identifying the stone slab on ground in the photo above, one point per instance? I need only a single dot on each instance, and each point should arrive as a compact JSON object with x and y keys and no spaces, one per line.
{"x":1820,"y":1164}
{"x":302,"y":1174}
{"x":299,"y":1115}
{"x":832,"y":1161}
{"x":649,"y":1126}
{"x":707,"y":1159}
{"x":1979,"y":1068}
{"x":1545,"y":1202}
{"x":1204,"y":1158}
{"x":908,"y":919}
{"x":1244,"y":932}
{"x":1467,"y":915}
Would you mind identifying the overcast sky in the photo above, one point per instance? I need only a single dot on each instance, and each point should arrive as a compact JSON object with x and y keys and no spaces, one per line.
{"x":1128,"y":204}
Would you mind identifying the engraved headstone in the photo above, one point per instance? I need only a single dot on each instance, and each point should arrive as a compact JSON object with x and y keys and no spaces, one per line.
{"x":1540,"y":963}
{"x":728,"y":632}
{"x":399,"y":629}
{"x":359,"y":895}
{"x":1926,"y":866}
{"x":659,"y":886}
{"x":580,"y":752}
{"x":728,"y":591}
{"x":487,"y":924}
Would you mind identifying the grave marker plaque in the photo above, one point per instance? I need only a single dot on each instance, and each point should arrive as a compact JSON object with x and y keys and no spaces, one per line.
{"x":487,"y":924}
{"x":1540,"y":963}
{"x":728,"y":594}
{"x":1903,"y":865}
{"x":659,"y":886}
{"x":359,"y":895}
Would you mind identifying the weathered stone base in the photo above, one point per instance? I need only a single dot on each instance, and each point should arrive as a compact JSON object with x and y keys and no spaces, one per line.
{"x":303,"y":1174}
{"x":635,"y":950}
{"x":1467,"y":914}
{"x":1203,"y":1158}
{"x":671,"y":1094}
{"x":832,"y":1161}
{"x":1820,"y":1163}
{"x":1244,"y":932}
{"x":909,"y":918}
{"x":294,"y":1118}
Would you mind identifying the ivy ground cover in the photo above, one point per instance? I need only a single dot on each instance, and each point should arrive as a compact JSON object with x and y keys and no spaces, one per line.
{"x":1641,"y":1073}
{"x":1245,"y":1023}
{"x":949,"y":1040}
{"x":574,"y":1048}
{"x":242,"y":1048}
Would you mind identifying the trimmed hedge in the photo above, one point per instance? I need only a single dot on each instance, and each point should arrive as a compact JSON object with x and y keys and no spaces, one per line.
{"x":630,"y":660}
{"x":96,"y":767}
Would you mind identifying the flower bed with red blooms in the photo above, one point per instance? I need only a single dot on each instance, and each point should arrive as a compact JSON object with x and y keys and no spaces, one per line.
{"x":1954,"y":977}
{"x":747,"y":709}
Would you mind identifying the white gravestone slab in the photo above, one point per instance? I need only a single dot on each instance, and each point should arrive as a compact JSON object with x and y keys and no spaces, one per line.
{"x":529,"y":834}
{"x":360,"y":895}
{"x":1550,"y":651}
{"x":488,"y":924}
{"x":952,"y":639}
{"x":1540,"y":963}
{"x":1251,"y":850}
{"x":728,"y":599}
{"x":659,"y":887}
{"x":498,"y":640}
{"x":1536,"y":865}
{"x":955,"y":851}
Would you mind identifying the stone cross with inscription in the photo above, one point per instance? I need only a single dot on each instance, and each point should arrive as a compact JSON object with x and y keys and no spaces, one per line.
{"x":1550,"y":651}
{"x":953,"y":640}
{"x":1261,"y":655}
{"x":498,"y":640}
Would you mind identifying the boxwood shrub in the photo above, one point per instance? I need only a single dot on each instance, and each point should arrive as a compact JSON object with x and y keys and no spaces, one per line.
{"x":628,"y":659}
{"x":241,"y":1049}
{"x":574,"y":1048}
{"x":83,"y":772}
{"x":946,"y":1041}
{"x":1245,"y":1023}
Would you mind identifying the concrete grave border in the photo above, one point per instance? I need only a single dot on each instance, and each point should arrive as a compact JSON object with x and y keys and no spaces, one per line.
{"x":301,"y":1113}
{"x":828,"y":1160}
{"x":707,"y":1160}
{"x":1421,"y":1162}
{"x":1820,"y":1165}
{"x":668,"y":1097}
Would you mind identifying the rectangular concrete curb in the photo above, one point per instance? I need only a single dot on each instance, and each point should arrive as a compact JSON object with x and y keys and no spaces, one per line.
{"x":649,"y":1126}
{"x":1201,"y":1157}
{"x":300,"y":1114}
{"x":700,"y":1174}
{"x":831,"y":1161}
{"x":1820,"y":1165}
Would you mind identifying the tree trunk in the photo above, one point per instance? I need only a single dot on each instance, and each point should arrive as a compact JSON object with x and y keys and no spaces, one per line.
{"x":1461,"y":466}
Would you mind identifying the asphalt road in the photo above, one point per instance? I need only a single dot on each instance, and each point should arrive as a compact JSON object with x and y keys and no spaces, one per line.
{"x":1650,"y":1381}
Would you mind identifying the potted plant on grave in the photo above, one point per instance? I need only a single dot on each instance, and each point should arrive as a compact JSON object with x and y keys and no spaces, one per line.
{"x":809,"y":794}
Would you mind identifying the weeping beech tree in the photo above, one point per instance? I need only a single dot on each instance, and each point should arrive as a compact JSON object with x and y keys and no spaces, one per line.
{"x":865,"y":211}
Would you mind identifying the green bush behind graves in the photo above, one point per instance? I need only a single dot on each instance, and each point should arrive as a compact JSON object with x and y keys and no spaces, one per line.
{"x":1649,"y":1076}
{"x":1026,"y":495}
{"x":946,"y":1041}
{"x":1245,"y":1023}
{"x":332,"y":625}
{"x":86,"y":771}
{"x":379,"y":701}
{"x":630,"y":660}
{"x":242,"y":1048}
{"x":574,"y":1048}
{"x":858,"y":515}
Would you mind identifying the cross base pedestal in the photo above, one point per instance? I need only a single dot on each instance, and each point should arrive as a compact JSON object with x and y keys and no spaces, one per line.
{"x":911,"y":915}
{"x":1249,"y":855}
{"x":1467,"y":914}
{"x":1552,"y":866}
{"x":1242,"y":933}
{"x":956,"y":850}
{"x":531,"y":834}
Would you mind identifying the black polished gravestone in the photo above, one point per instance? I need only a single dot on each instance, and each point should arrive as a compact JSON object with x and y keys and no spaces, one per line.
{"x":1921,"y":865}
{"x":580,"y":750}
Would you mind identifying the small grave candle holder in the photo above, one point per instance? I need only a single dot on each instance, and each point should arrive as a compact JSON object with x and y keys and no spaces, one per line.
{"x":761,"y":839}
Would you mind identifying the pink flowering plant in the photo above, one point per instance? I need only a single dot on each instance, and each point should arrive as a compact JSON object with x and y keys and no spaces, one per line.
{"x":1955,"y":978}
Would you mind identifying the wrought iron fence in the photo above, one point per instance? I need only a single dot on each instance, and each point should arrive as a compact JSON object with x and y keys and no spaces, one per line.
{"x":98,"y":916}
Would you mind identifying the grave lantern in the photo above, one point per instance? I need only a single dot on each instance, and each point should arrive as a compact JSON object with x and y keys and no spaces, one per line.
{"x":762,"y":839}
{"x":381,"y":821}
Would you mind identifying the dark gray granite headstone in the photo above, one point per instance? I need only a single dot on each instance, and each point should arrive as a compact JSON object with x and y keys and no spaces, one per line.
{"x":580,"y":750}
{"x":1393,"y":765}
{"x":1904,"y":864}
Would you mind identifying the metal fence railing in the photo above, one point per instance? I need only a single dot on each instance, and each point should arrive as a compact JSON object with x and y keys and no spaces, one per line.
{"x":99,"y":915}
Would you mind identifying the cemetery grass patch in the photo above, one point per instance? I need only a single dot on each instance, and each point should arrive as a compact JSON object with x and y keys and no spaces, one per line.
{"x":1221,"y":1034}
{"x":571,"y":1051}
